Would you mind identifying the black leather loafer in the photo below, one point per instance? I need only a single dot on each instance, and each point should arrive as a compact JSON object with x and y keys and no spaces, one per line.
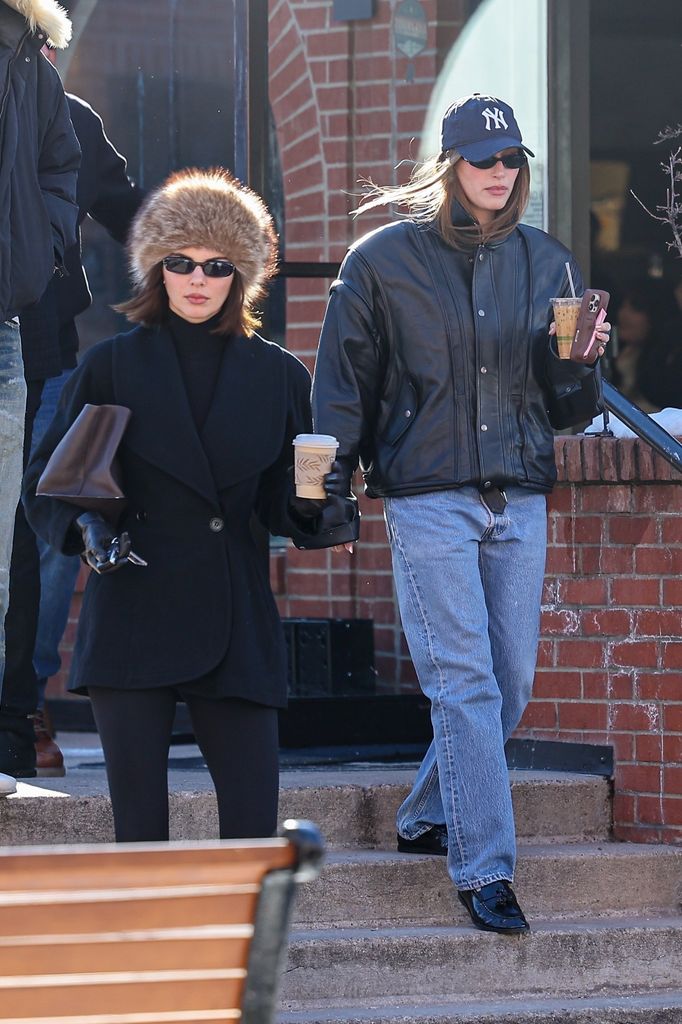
{"x":433,"y":841}
{"x":494,"y":908}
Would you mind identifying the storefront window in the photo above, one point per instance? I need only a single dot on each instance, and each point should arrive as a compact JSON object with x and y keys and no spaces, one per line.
{"x":161,"y":75}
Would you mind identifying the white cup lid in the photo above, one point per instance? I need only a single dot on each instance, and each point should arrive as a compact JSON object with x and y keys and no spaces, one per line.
{"x":322,"y":440}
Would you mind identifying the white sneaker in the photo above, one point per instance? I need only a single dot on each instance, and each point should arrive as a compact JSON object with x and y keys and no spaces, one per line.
{"x":7,"y":785}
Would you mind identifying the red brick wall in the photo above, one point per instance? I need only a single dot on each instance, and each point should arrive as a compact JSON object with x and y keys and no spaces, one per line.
{"x":610,"y":658}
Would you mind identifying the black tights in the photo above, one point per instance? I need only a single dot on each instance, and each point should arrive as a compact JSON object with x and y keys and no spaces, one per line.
{"x":237,"y":738}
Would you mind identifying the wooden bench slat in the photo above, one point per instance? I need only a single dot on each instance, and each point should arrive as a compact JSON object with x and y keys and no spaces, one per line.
{"x":181,"y":992}
{"x":172,"y":1017}
{"x":123,"y":916}
{"x":135,"y":864}
{"x":202,"y":931}
{"x":86,"y":957}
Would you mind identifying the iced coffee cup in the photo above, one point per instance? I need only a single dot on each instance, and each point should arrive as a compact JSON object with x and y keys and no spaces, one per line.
{"x":566,"y":318}
{"x":313,"y":457}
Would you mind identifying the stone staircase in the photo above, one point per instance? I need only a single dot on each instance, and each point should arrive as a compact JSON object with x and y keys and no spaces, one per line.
{"x":381,"y":936}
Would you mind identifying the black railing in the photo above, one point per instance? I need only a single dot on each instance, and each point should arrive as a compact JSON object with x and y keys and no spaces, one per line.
{"x":642,"y":424}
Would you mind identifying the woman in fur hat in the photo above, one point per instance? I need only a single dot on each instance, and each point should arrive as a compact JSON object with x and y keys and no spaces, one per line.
{"x":214,"y":411}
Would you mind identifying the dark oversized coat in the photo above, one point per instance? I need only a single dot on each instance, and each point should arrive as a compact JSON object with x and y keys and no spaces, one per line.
{"x":39,"y":158}
{"x":204,"y":600}
{"x":49,"y":338}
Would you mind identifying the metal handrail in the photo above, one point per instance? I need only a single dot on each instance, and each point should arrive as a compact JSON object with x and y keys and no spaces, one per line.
{"x":636,"y":419}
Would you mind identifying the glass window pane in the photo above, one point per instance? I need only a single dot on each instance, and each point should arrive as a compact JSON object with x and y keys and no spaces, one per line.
{"x":161,"y":75}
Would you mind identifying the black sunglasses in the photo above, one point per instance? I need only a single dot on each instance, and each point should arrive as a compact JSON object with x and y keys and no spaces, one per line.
{"x":215,"y":267}
{"x":512,"y":161}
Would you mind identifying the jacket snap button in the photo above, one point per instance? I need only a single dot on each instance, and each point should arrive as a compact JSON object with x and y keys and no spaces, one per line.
{"x":484,"y":369}
{"x":216,"y":524}
{"x":484,"y":426}
{"x":408,"y":413}
{"x":141,"y":516}
{"x":27,"y":59}
{"x":481,"y":312}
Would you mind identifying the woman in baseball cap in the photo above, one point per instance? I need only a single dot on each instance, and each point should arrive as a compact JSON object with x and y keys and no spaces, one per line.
{"x":438,"y":374}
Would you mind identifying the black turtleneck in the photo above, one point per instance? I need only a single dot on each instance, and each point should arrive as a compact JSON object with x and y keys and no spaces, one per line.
{"x":199,"y":354}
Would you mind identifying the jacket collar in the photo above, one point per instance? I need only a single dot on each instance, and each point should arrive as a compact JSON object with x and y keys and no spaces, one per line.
{"x":46,"y":15}
{"x":459,"y":216}
{"x":461,"y":219}
{"x":243,"y":429}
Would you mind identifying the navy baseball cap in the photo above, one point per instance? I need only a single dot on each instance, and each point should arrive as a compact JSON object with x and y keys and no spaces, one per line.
{"x":480,"y":126}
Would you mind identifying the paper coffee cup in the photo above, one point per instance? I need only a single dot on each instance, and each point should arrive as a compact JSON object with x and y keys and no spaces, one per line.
{"x":313,"y":457}
{"x":566,"y":318}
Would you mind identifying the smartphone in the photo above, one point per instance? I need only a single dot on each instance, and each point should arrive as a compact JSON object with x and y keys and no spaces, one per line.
{"x":592,"y":314}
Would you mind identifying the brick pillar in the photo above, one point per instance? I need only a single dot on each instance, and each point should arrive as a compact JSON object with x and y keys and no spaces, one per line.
{"x":610,"y":660}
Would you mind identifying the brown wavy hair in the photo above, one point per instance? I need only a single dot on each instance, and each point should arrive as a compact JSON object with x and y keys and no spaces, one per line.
{"x":429,"y":195}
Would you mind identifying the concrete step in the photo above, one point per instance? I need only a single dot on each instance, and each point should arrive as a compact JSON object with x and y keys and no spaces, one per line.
{"x":548,"y":807}
{"x":352,"y":806}
{"x":381,"y":889}
{"x":630,"y":1009}
{"x":576,"y":959}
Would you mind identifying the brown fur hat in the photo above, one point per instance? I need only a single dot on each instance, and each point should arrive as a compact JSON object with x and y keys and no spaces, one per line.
{"x":207,"y":209}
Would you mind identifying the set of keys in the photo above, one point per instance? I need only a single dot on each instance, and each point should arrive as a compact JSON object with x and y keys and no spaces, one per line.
{"x":114,"y":556}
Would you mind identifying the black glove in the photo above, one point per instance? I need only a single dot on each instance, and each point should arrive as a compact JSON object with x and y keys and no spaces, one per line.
{"x":336,"y":484}
{"x":102,"y":550}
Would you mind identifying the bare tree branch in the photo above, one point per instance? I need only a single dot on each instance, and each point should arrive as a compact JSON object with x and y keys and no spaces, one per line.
{"x":670,"y":212}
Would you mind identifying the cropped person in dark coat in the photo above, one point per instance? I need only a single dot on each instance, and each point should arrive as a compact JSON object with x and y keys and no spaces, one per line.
{"x":214,"y":411}
{"x":42,"y":580}
{"x":39,"y":158}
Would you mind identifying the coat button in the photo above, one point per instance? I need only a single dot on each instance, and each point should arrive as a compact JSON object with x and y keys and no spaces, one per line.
{"x":484,"y":426}
{"x":216,"y":524}
{"x":484,"y":369}
{"x":141,"y":516}
{"x":481,"y":312}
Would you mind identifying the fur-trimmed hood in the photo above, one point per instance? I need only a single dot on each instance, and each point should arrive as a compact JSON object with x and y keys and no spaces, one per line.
{"x":47,"y":15}
{"x":208,"y":209}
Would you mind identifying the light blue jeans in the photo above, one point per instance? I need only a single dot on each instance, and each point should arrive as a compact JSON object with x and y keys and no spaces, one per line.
{"x":12,"y":412}
{"x":58,"y":572}
{"x":469,"y":585}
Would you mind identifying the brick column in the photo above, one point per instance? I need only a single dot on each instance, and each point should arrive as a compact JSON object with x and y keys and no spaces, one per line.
{"x":610,"y":659}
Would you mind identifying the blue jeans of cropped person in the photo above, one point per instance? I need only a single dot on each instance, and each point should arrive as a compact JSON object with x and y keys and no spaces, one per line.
{"x":469,"y":584}
{"x":57,"y":572}
{"x":12,"y":410}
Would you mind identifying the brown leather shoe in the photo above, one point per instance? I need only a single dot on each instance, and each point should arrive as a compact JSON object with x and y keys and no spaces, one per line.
{"x":49,"y":758}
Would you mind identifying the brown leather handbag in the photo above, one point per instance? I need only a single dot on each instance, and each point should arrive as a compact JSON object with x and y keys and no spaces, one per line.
{"x":83,"y":468}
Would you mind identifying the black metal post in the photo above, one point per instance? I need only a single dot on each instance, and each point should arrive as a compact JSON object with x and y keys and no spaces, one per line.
{"x":240,"y":43}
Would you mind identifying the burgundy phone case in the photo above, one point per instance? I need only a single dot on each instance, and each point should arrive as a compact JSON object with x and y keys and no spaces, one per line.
{"x":592,"y":313}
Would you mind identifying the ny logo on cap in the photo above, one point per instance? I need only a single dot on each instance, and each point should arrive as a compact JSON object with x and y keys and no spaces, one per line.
{"x":495,"y":115}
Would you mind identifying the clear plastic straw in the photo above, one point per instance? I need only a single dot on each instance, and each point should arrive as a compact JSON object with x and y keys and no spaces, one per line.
{"x":570,"y":279}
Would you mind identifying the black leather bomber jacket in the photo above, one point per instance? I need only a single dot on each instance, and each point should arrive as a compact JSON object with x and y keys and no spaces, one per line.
{"x":435,"y":369}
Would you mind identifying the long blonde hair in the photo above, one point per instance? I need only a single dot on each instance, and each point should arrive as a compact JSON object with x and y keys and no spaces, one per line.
{"x":429,"y":194}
